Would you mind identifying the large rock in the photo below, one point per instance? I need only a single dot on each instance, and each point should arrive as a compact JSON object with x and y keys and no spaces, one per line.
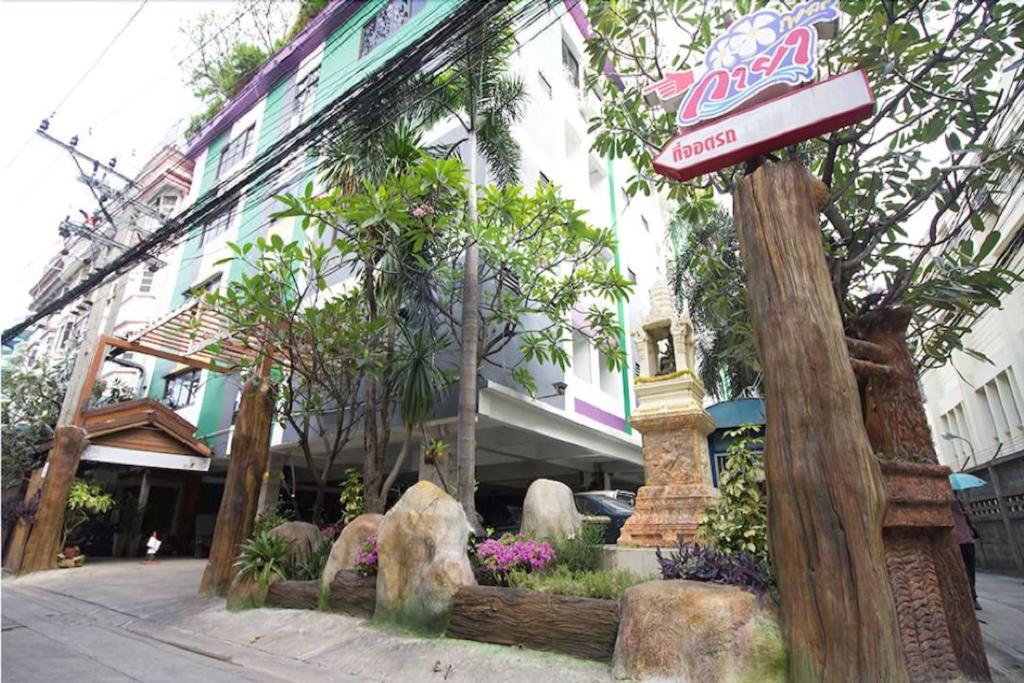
{"x":351,"y":539}
{"x":549,"y":511}
{"x":421,"y":559}
{"x":303,"y":537}
{"x":692,"y":631}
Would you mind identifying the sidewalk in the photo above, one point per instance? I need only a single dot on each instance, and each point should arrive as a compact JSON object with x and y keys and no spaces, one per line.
{"x":1002,"y":624}
{"x":114,"y":621}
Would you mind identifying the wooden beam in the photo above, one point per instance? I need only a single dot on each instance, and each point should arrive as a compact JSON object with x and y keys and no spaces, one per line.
{"x":135,"y":347}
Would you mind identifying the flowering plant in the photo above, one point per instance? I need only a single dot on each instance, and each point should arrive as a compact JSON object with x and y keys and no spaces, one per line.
{"x":500,"y":556}
{"x":366,"y":557}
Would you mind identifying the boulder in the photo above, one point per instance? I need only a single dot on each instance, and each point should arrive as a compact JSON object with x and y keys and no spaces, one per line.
{"x":303,"y":536}
{"x":691,"y":631}
{"x":352,"y":538}
{"x":421,"y":560}
{"x":549,"y":511}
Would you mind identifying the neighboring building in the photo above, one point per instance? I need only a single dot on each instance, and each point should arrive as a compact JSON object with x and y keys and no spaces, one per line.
{"x":730,"y":415}
{"x":162,"y":184}
{"x":975,"y":406}
{"x":580,"y":435}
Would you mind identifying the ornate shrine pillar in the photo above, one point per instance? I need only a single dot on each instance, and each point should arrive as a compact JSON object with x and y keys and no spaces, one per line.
{"x":671,"y":418}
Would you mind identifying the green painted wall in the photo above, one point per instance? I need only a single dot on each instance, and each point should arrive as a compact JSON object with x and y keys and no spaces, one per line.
{"x":627,"y":404}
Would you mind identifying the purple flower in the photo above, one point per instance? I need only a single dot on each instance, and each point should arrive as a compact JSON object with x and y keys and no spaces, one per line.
{"x":513,"y":553}
{"x":366,"y":557}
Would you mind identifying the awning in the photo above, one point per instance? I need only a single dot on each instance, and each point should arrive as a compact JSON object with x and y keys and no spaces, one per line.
{"x":188,"y":331}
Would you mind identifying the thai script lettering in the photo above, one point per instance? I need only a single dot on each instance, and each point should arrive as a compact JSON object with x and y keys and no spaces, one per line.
{"x":681,"y":152}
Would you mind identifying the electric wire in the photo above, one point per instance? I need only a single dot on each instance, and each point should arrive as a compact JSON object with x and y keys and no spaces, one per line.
{"x":433,"y":49}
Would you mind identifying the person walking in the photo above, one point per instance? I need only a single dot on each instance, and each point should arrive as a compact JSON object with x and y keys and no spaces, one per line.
{"x":152,"y":545}
{"x":966,"y":534}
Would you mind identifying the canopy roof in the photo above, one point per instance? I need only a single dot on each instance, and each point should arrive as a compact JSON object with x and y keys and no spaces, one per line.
{"x":142,"y":424}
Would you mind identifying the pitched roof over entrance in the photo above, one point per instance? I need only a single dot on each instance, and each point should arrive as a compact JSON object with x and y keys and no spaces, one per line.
{"x":142,"y":425}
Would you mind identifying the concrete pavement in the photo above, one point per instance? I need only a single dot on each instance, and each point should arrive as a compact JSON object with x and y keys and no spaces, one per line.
{"x":1002,"y":625}
{"x":128,"y":621}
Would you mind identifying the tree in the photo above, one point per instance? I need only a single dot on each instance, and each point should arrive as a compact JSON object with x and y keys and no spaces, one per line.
{"x":229,"y":47}
{"x":486,"y":100}
{"x":285,"y":310}
{"x":944,"y":82}
{"x":386,"y":245}
{"x":708,"y":280}
{"x":546,"y":275}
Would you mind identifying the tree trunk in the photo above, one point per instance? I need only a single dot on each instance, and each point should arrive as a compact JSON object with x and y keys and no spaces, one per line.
{"x":396,"y":468}
{"x":940,"y":633}
{"x":15,"y":547}
{"x":62,"y":464}
{"x":318,"y":502}
{"x":468,"y":361}
{"x":826,"y":496}
{"x":250,"y":447}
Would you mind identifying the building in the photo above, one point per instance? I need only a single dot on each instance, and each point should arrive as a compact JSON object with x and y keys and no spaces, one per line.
{"x":578,"y":431}
{"x":976,"y":406}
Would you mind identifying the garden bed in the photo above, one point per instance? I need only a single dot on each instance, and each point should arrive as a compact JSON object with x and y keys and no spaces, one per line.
{"x":581,"y":627}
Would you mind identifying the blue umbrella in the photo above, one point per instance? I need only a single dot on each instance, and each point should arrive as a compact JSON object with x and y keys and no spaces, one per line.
{"x":961,"y":480}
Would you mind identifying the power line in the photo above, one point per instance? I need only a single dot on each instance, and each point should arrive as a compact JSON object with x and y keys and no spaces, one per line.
{"x":386,"y":82}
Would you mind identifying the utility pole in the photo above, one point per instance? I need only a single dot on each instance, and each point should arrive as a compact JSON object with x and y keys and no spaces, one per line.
{"x":69,"y":438}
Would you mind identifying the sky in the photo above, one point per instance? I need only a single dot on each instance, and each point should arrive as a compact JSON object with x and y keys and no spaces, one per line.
{"x":123,"y":108}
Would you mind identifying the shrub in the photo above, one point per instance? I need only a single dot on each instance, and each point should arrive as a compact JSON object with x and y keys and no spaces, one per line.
{"x":560,"y":580}
{"x":739,"y":522}
{"x":582,"y":552}
{"x":366,"y":558}
{"x":85,"y":501}
{"x":314,"y":565}
{"x":704,"y":563}
{"x":500,"y":556}
{"x":262,"y":557}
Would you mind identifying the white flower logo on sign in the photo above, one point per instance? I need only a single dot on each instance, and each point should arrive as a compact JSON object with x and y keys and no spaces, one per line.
{"x":752,"y":34}
{"x":721,"y":57}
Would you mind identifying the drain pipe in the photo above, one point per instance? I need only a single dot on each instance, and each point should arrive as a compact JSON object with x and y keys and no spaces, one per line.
{"x":134,"y":366}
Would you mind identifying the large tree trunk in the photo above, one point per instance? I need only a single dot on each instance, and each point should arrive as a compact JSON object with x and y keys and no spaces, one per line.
{"x":15,"y":548}
{"x":468,"y":361}
{"x":318,"y":501}
{"x":940,"y":633}
{"x":826,"y":496}
{"x":62,"y":464}
{"x":250,"y":447}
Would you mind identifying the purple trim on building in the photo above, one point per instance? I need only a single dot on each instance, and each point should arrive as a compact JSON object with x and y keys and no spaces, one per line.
{"x":598,"y":415}
{"x":575,"y":9}
{"x":287,"y":59}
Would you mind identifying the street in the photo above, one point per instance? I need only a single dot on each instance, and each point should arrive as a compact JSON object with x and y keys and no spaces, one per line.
{"x":127,"y":621}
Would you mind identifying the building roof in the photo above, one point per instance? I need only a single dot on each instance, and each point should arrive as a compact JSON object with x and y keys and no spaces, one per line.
{"x":732,"y":414}
{"x":143,"y":424}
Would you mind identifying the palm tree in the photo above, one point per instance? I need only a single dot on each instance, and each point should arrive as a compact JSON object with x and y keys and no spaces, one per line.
{"x":417,"y":381}
{"x":486,"y":101}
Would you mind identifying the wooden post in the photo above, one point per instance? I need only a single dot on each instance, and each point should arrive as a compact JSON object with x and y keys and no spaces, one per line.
{"x":825,"y":492}
{"x":19,"y":535}
{"x":135,"y":537}
{"x":183,"y":526}
{"x":62,"y":464}
{"x":250,"y":447}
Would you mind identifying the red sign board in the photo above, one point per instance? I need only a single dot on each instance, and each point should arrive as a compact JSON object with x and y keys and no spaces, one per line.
{"x":805,"y":113}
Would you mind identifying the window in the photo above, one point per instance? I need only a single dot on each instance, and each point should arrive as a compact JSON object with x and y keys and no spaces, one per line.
{"x":581,"y":352}
{"x":544,"y":84}
{"x":1002,"y":409}
{"x":570,"y":65}
{"x":180,"y":389}
{"x":305,"y":93}
{"x":384,"y":24}
{"x":647,"y":226}
{"x":235,"y":151}
{"x":146,"y":283}
{"x":218,"y":225}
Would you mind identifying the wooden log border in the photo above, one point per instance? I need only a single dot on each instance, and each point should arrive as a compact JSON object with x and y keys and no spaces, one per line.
{"x":581,"y":627}
{"x":294,"y":595}
{"x":353,"y":594}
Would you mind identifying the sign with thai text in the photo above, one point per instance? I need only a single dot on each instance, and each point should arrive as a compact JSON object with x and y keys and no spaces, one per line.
{"x":734,"y":106}
{"x":785,"y":120}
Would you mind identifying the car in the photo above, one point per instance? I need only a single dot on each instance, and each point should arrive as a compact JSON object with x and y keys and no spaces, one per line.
{"x":595,"y":503}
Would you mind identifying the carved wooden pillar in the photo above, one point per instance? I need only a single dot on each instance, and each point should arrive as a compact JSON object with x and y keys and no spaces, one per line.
{"x":62,"y":464}
{"x":250,"y":447}
{"x":938,"y":628}
{"x":825,"y":492}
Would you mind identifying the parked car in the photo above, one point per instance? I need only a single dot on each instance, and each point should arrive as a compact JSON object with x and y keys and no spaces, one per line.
{"x":617,"y":494}
{"x":597,"y":504}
